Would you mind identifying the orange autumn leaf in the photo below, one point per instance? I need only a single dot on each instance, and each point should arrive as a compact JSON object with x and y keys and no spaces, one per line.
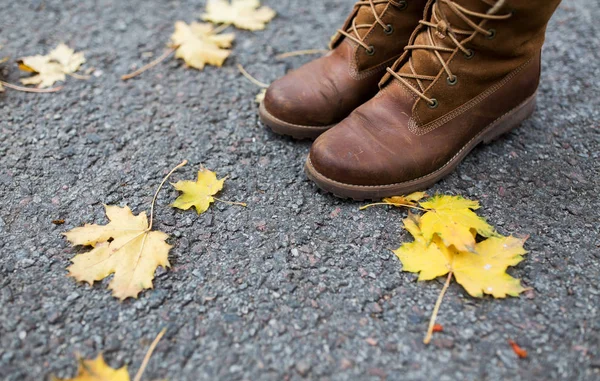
{"x":522,"y":353}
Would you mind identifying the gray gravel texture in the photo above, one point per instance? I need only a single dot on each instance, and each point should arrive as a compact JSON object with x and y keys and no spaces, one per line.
{"x":300,"y":284}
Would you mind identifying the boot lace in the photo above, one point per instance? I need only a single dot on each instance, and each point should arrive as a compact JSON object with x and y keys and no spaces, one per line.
{"x":353,"y":34}
{"x":453,"y":33}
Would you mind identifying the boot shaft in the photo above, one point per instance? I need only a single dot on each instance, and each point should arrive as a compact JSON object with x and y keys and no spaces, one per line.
{"x":480,"y":52}
{"x":385,"y":27}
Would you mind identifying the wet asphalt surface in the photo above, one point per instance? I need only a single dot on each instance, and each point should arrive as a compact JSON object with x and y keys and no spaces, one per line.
{"x":300,"y":284}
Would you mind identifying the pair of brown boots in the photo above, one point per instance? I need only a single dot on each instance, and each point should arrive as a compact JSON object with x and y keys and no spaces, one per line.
{"x":409,"y":88}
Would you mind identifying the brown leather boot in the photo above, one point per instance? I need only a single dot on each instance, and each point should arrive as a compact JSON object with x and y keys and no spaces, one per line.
{"x":310,"y":100}
{"x":469,"y":75}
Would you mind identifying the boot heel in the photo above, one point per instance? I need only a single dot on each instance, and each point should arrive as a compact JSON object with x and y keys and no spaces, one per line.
{"x":510,"y":121}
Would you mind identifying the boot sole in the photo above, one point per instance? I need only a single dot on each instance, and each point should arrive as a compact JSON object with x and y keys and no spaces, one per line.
{"x":296,"y":131}
{"x":502,"y":125}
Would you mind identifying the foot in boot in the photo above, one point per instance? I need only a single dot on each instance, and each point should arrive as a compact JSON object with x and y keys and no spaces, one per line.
{"x":470,"y":74}
{"x":310,"y":100}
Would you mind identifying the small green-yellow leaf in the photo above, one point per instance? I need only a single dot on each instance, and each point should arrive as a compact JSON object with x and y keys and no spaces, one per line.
{"x":198,"y":193}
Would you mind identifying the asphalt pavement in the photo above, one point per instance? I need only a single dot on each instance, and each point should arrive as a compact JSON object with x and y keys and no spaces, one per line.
{"x":300,"y":284}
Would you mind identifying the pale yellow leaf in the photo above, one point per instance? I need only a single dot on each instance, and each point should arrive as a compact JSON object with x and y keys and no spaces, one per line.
{"x":52,"y":67}
{"x":453,"y":220}
{"x":243,"y":14}
{"x":198,"y":46}
{"x":124,"y":247}
{"x":97,"y":370}
{"x":199,"y":193}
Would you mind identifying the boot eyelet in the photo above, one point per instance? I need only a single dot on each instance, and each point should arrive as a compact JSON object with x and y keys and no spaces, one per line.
{"x":370,"y":51}
{"x":389,"y":29}
{"x":470,"y":54}
{"x":452,"y":80}
{"x":433,"y":104}
{"x":402,"y":5}
{"x":491,"y":34}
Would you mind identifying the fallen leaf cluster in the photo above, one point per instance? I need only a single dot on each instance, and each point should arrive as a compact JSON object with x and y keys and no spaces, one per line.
{"x":201,"y":44}
{"x":127,"y":247}
{"x":451,"y":239}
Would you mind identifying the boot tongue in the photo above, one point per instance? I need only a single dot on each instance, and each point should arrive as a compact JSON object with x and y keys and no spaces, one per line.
{"x":453,"y":19}
{"x":365,"y":16}
{"x":425,"y":61}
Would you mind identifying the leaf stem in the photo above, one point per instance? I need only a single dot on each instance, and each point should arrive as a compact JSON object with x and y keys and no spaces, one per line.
{"x":151,"y":64}
{"x":231,"y":202}
{"x":158,"y":190}
{"x":140,"y":372}
{"x":436,"y":309}
{"x":251,"y":78}
{"x":78,"y":76}
{"x":393,"y":204}
{"x":301,"y":53}
{"x":220,"y":28}
{"x":29,"y":89}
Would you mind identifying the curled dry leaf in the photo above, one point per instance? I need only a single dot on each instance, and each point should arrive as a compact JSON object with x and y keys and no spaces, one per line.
{"x":198,"y":45}
{"x":96,"y":370}
{"x":243,"y":14}
{"x":125,"y":247}
{"x":411,"y":199}
{"x":52,"y":67}
{"x":199,"y":193}
{"x":483,"y":272}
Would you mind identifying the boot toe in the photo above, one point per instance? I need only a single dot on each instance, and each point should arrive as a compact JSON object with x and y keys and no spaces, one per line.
{"x":344,"y":155}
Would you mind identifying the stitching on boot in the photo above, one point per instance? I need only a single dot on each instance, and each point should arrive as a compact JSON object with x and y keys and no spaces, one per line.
{"x":413,"y":124}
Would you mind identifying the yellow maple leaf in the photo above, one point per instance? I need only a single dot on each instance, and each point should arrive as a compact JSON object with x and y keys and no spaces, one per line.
{"x":453,"y":220}
{"x":244,"y":14}
{"x":419,"y":256}
{"x":198,"y":45}
{"x":97,"y":370}
{"x":480,"y":273}
{"x":125,"y":247}
{"x":199,"y":193}
{"x":52,"y":67}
